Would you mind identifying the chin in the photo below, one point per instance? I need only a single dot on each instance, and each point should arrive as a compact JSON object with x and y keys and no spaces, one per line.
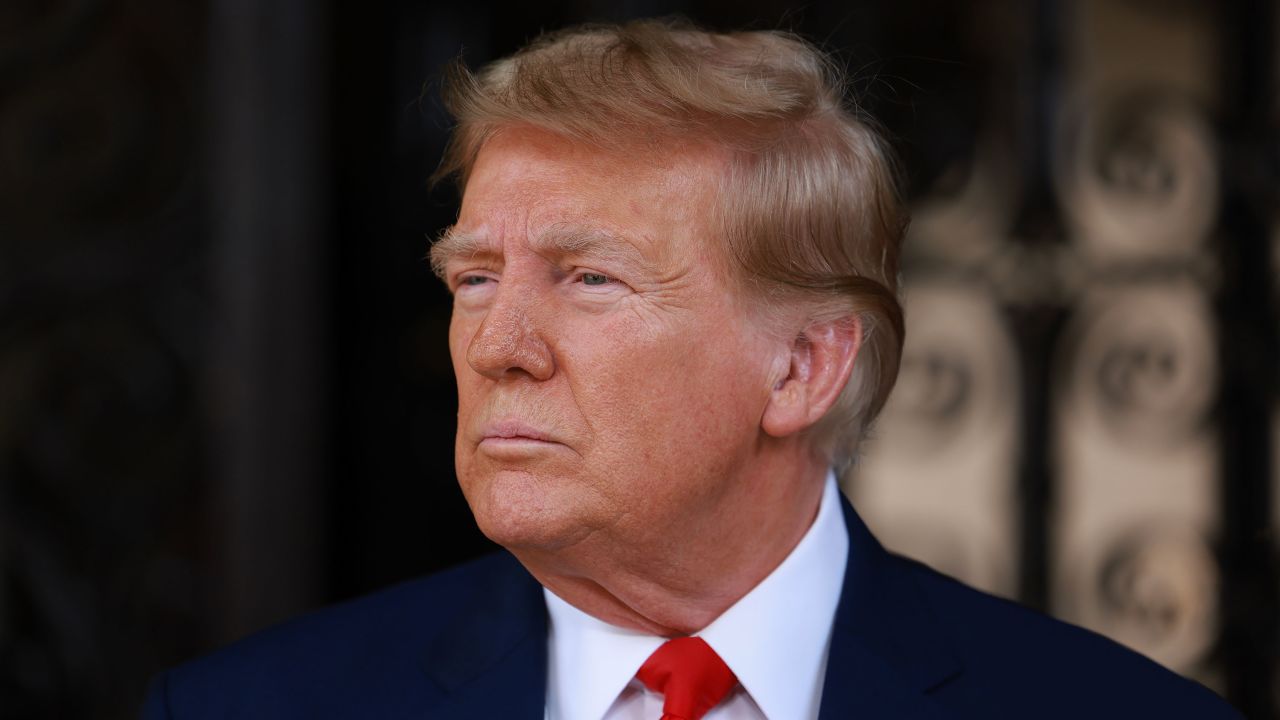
{"x":520,"y":511}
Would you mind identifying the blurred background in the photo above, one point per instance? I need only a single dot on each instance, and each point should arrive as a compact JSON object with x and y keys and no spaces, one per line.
{"x":225,"y":394}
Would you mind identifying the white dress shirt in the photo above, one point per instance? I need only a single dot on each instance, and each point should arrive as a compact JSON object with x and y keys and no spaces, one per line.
{"x":775,"y":639}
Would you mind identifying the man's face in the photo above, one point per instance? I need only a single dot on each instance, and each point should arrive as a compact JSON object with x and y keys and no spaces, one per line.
{"x":611,"y":380}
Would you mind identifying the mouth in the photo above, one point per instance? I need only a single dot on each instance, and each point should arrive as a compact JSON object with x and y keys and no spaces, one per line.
{"x":510,"y":438}
{"x":514,"y":430}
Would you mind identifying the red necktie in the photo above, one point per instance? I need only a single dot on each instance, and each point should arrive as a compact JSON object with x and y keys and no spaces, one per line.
{"x":690,"y":675}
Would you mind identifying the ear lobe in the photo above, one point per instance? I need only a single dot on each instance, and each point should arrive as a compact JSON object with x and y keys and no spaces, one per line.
{"x":822,"y":358}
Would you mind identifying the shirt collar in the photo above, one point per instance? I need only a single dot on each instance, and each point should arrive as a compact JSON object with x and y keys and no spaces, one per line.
{"x":590,"y":661}
{"x":775,"y":638}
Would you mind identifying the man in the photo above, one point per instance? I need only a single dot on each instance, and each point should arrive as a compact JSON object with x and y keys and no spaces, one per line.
{"x":674,"y":275}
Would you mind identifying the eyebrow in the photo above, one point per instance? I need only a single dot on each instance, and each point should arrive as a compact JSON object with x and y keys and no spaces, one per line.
{"x":561,"y":239}
{"x":454,"y":243}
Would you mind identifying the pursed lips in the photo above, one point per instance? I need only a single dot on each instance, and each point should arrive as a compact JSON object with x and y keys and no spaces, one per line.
{"x":514,"y":440}
{"x":514,"y":431}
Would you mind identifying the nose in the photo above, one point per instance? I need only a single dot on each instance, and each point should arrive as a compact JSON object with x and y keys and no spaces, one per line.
{"x":507,"y":343}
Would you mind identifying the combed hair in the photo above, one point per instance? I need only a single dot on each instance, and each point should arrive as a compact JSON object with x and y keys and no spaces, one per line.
{"x":810,"y":212}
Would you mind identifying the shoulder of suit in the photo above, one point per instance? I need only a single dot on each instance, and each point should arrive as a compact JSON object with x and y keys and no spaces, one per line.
{"x":336,"y":654}
{"x":1023,"y":661}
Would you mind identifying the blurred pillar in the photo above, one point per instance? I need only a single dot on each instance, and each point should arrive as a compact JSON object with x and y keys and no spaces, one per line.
{"x":266,"y":121}
{"x":1250,"y":352}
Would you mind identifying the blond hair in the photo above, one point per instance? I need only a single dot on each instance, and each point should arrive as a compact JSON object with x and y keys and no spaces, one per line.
{"x":809,"y":210}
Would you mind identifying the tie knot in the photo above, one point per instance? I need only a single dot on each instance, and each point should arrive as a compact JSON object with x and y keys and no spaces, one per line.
{"x":690,"y":675}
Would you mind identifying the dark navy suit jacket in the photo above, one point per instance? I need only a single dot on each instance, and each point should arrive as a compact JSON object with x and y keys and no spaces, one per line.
{"x":471,"y":643}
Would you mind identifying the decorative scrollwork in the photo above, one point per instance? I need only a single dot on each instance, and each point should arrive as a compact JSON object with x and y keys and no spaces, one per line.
{"x":1139,"y":178}
{"x":1153,"y":587}
{"x":1143,"y":362}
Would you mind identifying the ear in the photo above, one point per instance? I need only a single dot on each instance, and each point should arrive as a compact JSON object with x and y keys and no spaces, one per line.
{"x":822,"y":358}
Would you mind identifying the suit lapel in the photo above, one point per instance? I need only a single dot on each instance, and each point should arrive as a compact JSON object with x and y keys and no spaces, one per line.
{"x":886,"y":650}
{"x":491,"y":659}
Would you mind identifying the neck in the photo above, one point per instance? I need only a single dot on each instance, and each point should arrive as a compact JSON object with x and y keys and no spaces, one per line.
{"x":677,"y":580}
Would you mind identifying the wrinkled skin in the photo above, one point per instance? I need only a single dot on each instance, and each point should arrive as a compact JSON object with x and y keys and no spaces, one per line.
{"x":616,"y":393}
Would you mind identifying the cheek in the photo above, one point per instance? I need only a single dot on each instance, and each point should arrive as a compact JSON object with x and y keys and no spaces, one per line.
{"x":671,"y":398}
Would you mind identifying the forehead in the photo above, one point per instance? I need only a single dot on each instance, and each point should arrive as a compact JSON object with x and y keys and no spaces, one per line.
{"x":526,"y":181}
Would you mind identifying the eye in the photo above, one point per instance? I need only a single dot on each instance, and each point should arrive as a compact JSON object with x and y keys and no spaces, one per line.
{"x":473,"y":280}
{"x":594,"y":279}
